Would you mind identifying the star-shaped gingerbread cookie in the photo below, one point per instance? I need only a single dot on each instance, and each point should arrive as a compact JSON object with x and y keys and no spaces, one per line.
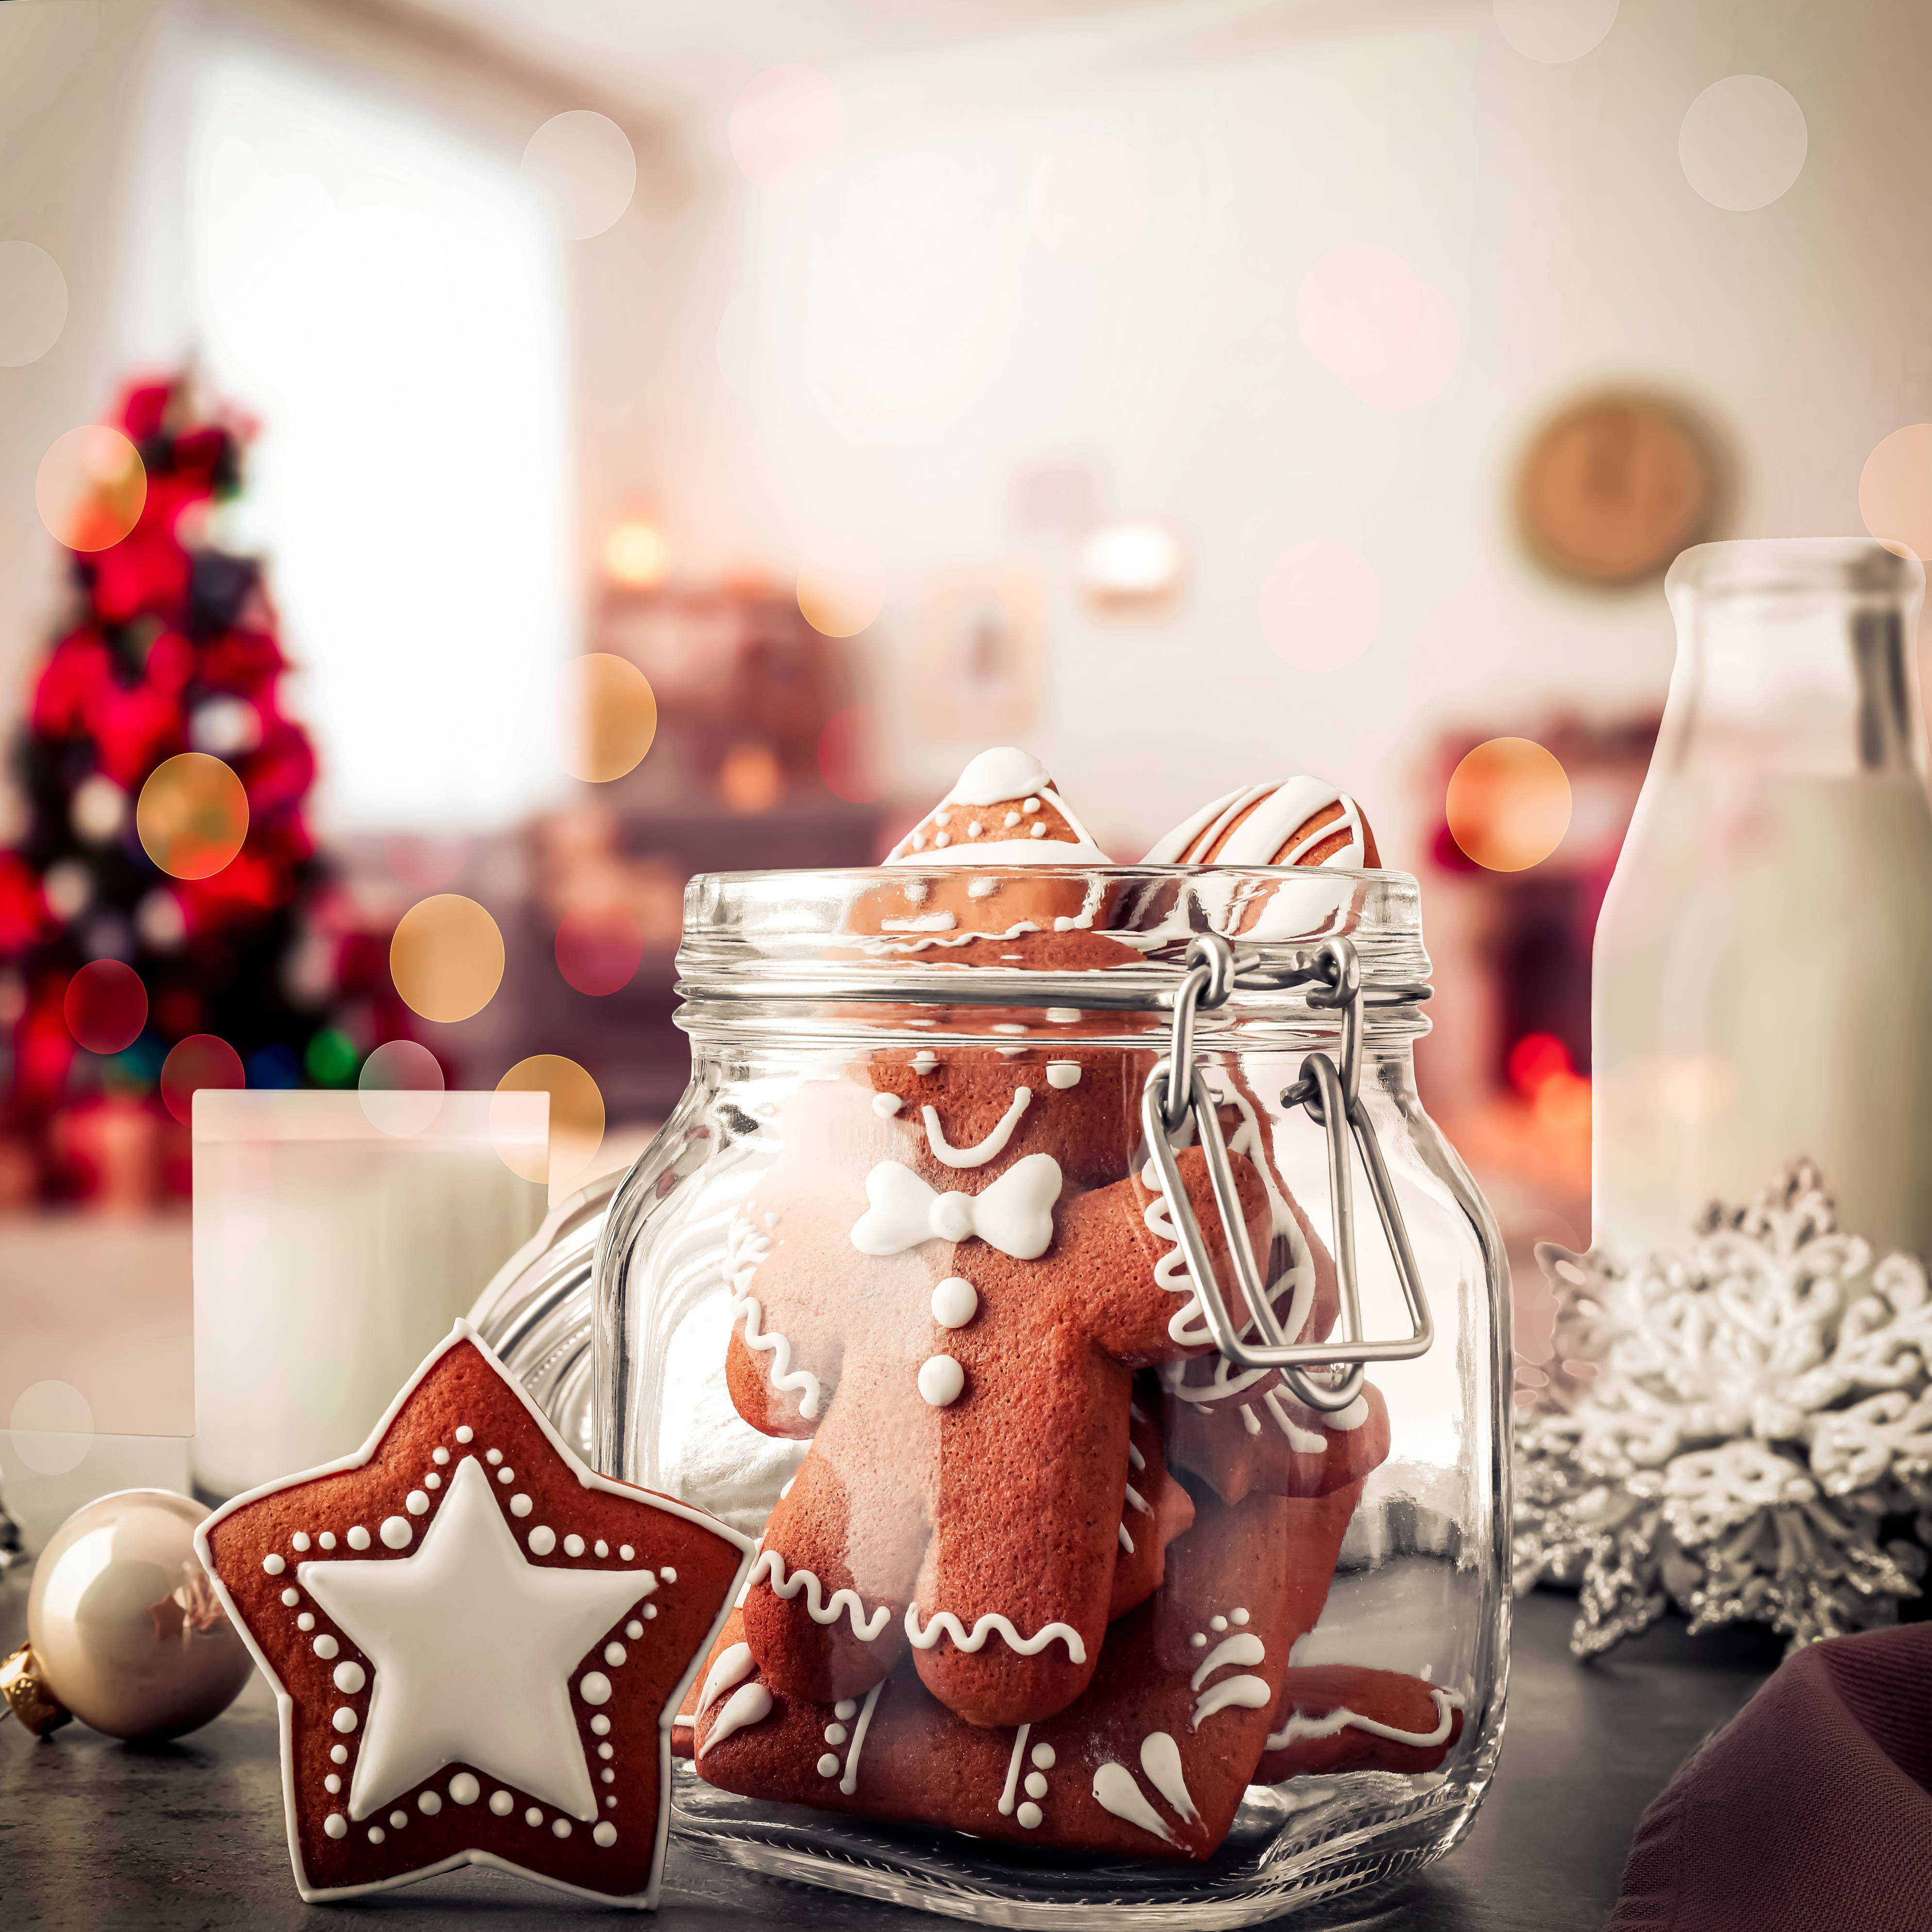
{"x":477,"y":1644}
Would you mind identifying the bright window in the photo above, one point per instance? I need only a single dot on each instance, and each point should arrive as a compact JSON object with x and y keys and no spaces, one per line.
{"x":388,"y":297}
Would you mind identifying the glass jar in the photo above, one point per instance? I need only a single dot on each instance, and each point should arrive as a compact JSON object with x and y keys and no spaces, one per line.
{"x":1060,"y":1614}
{"x":1763,"y":973}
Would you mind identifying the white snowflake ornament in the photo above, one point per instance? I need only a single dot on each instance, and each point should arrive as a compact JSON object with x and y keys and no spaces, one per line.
{"x":1759,"y":1418}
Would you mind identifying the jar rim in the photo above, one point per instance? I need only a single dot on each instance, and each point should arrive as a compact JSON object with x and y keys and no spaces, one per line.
{"x":788,"y":936}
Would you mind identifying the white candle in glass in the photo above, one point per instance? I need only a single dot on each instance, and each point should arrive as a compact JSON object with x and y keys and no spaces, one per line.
{"x":336,"y":1235}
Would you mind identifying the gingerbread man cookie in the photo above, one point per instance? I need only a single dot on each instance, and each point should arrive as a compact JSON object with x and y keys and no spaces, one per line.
{"x":948,"y":1292}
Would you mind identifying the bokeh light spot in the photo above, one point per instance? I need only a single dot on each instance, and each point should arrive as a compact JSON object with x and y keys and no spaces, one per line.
{"x":576,"y":1119}
{"x":1553,"y":31}
{"x":842,"y":588}
{"x":401,"y":1087}
{"x":330,"y":1057}
{"x":1742,"y":143}
{"x":636,"y":554}
{"x":1089,"y":198}
{"x":787,"y":127}
{"x":90,"y":488}
{"x":598,"y":952}
{"x":33,"y":304}
{"x":52,"y":1424}
{"x":750,"y":780}
{"x":192,"y":815}
{"x":1321,"y":604}
{"x":614,"y":713}
{"x":1895,"y":490}
{"x":202,"y":1060}
{"x":584,"y":163}
{"x":1393,"y":338}
{"x":1508,"y":804}
{"x":446,"y":957}
{"x":845,"y":755}
{"x":106,"y":1006}
{"x":273,"y":1067}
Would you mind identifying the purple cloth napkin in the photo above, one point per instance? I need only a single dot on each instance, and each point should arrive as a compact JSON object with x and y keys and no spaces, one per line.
{"x":1811,"y":1811}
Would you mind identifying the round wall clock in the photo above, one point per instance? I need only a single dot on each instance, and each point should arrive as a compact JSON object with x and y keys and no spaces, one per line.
{"x":1612,"y":487}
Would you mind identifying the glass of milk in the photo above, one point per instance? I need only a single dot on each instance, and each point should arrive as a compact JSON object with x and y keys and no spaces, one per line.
{"x":336,"y":1235}
{"x":1763,"y":973}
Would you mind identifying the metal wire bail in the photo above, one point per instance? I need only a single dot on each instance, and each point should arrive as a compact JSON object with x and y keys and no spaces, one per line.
{"x":1325,"y":1375}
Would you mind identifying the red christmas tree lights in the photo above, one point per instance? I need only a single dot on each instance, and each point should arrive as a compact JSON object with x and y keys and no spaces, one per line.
{"x":253,"y":966}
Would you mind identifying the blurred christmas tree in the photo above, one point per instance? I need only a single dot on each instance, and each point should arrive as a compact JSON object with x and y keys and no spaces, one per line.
{"x":238,"y":959}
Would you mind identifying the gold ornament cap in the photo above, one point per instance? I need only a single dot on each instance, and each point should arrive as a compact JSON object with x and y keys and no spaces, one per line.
{"x":28,"y":1696}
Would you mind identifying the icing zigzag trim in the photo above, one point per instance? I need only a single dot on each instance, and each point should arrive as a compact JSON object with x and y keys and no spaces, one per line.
{"x":745,"y":1248}
{"x":945,"y":1624}
{"x":770,"y":1568}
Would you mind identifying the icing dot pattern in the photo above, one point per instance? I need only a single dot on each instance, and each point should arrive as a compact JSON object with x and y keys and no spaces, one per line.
{"x":351,"y":1678}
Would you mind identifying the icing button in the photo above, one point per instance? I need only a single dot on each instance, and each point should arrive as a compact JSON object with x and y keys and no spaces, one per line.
{"x":606,"y":1833}
{"x":954,"y":1303}
{"x":940,"y":1380}
{"x":1029,"y":1814}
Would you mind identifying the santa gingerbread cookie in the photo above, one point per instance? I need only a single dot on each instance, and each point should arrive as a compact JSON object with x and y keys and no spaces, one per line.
{"x":477,"y":1645}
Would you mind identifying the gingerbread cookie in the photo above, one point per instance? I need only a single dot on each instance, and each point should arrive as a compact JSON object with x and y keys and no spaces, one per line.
{"x":949,"y":1289}
{"x":476,"y":1643}
{"x":971,"y":865}
{"x":1340,"y":1718}
{"x":1151,"y":1761}
{"x":1299,"y":821}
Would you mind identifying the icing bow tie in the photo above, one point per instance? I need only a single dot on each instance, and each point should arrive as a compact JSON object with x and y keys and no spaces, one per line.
{"x":1014,"y":1215}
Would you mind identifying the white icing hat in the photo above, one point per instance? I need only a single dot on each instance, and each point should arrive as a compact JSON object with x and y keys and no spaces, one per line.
{"x":1004,"y":810}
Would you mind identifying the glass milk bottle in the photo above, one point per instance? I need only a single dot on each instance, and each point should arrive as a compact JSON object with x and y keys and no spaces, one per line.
{"x":1763,"y":973}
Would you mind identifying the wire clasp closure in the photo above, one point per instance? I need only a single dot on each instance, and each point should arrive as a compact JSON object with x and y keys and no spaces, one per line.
{"x":1331,"y":1097}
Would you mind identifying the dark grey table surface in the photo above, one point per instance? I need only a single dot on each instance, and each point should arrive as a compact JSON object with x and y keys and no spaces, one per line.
{"x":100,"y":1837}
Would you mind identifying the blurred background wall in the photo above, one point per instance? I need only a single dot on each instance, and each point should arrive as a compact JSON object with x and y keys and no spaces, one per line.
{"x":1150,"y":386}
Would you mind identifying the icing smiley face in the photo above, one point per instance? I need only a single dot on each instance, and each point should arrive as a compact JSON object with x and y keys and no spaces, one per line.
{"x":468,"y":1646}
